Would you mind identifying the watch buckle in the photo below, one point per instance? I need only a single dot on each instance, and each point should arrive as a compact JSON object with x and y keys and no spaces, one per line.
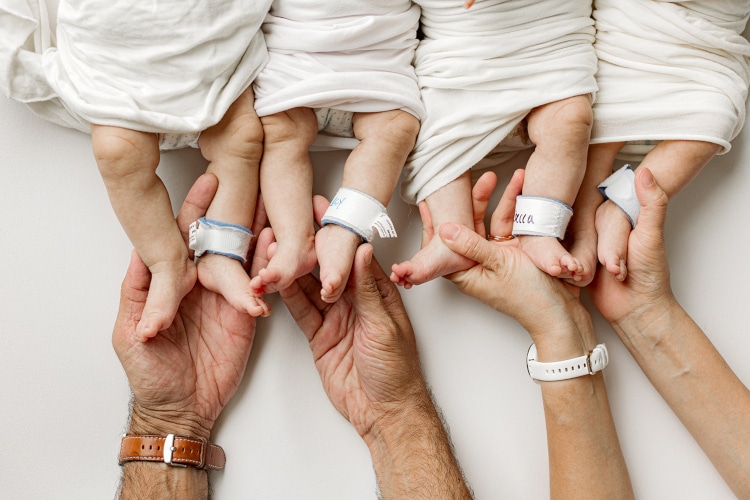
{"x":589,"y":368}
{"x":170,"y":448}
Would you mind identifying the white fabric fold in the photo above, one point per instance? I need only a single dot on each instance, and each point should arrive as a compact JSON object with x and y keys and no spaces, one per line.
{"x":353,"y":55}
{"x":164,"y":66}
{"x":483,"y":69}
{"x":670,"y":70}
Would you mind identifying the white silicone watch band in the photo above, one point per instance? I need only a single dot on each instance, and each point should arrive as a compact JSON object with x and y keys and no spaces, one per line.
{"x":539,"y":216}
{"x":588,"y":364}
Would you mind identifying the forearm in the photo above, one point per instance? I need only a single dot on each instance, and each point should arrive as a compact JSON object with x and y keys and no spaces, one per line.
{"x":413,"y":457}
{"x":584,"y":451}
{"x":696,"y":382}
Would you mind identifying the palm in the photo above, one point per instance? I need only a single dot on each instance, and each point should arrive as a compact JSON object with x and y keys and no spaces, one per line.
{"x":193,"y":367}
{"x":647,"y":280}
{"x":351,"y":364}
{"x":363,"y":344}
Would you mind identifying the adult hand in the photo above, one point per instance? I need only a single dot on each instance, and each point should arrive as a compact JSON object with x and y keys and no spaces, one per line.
{"x":364,"y":348}
{"x":504,"y":277}
{"x":182,"y":378}
{"x":363,"y":344}
{"x":647,"y":287}
{"x":671,"y":349}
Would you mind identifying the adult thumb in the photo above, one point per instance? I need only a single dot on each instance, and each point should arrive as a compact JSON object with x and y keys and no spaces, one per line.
{"x":366,"y":297}
{"x":463,"y":241}
{"x":653,"y":202}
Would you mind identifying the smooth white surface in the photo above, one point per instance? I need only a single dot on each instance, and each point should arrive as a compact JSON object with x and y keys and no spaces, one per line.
{"x":64,"y":394}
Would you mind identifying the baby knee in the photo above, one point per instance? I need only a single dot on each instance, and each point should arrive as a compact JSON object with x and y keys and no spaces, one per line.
{"x":122,"y":152}
{"x":399,"y":128}
{"x":297,"y":125}
{"x":407,"y":126}
{"x":247,"y":138}
{"x":576,"y":111}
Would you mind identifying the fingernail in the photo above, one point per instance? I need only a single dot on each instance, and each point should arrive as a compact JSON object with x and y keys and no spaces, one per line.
{"x":648,"y":178}
{"x":368,"y":256}
{"x":450,"y":230}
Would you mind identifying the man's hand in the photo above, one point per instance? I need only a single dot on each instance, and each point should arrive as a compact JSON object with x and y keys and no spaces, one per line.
{"x":182,"y":378}
{"x":363,"y":344}
{"x":364,"y":348}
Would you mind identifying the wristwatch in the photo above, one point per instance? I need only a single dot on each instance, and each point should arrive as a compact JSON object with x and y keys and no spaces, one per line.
{"x":588,"y":364}
{"x":172,"y":449}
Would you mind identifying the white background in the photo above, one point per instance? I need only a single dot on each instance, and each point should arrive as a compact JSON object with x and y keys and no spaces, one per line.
{"x":64,"y":396}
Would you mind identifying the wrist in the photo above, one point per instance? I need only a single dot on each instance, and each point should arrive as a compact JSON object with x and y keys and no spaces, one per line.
{"x":569,"y":335}
{"x":648,"y":321}
{"x":160,"y":481}
{"x":412,"y":454}
{"x":162,"y":422}
{"x":389,"y":427}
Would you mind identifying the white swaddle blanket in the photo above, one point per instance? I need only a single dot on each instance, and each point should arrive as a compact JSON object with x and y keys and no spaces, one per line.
{"x":483,"y":69}
{"x":670,"y":70}
{"x":159,"y":66}
{"x":353,"y":55}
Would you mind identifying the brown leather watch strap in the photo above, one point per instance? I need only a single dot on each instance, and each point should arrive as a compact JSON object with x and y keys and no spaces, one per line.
{"x":173,"y":449}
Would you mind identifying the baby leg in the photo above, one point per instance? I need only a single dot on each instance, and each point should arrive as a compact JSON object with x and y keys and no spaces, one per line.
{"x":127,"y":160}
{"x":582,"y":229}
{"x":674,"y":164}
{"x":451,"y":203}
{"x":561,"y":132}
{"x":374,"y":166}
{"x":286,"y":184}
{"x":233,"y":148}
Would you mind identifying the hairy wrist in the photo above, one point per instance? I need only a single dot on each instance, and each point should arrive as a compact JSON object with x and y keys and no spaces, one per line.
{"x":412,"y":453}
{"x":148,"y":421}
{"x":157,"y":481}
{"x":390,"y":419}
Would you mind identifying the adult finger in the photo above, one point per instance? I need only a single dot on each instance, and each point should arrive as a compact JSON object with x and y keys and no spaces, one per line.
{"x":480,"y":198}
{"x":365,"y":288}
{"x":135,"y":285}
{"x":653,"y":202}
{"x":261,"y":217}
{"x":502,"y":217}
{"x":320,"y":205}
{"x":463,"y":241}
{"x":261,"y":256}
{"x":196,"y":202}
{"x":298,"y":301}
{"x":388,"y":291}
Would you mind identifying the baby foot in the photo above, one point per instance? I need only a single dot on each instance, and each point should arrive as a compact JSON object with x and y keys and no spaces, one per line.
{"x":432,"y":261}
{"x":335,"y":246}
{"x":583,"y":249}
{"x":289,"y":262}
{"x":613,"y":230}
{"x":227,"y":277}
{"x":170,"y":282}
{"x":550,"y":256}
